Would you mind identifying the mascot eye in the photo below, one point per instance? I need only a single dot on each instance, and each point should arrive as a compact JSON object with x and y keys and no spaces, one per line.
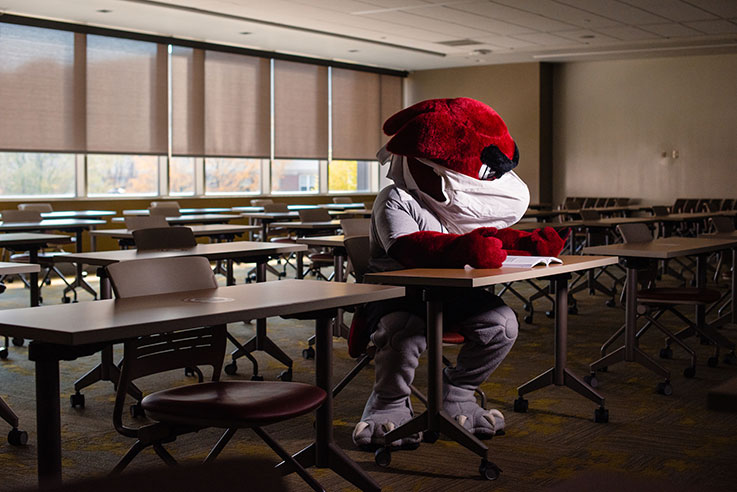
{"x":495,"y":163}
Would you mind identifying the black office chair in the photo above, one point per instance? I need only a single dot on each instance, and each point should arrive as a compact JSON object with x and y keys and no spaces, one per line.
{"x":164,"y":238}
{"x":229,"y":405}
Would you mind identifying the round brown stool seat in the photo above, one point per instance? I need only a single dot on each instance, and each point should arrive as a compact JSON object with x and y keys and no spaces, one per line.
{"x":233,"y":403}
{"x":684,"y":295}
{"x":453,"y":337}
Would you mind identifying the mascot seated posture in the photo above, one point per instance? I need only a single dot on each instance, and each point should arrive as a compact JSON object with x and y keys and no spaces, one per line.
{"x":454,"y":193}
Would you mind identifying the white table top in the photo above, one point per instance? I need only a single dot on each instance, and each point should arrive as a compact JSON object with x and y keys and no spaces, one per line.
{"x":663,"y":248}
{"x":333,"y":224}
{"x":481,"y":277}
{"x":329,"y":241}
{"x":51,"y":224}
{"x":194,"y":218}
{"x":197,"y":230}
{"x":30,"y":238}
{"x":9,"y":268}
{"x":212,"y":251}
{"x":77,"y":214}
{"x":119,"y":319}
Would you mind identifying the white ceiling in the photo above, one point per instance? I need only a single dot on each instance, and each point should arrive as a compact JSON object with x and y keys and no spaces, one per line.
{"x":409,"y":34}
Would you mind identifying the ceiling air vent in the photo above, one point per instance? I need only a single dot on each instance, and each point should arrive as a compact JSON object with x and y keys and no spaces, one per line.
{"x":459,"y":42}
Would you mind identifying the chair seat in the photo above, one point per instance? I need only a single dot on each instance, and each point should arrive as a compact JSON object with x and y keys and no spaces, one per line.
{"x":683,"y":295}
{"x":282,"y":239}
{"x":453,"y":337}
{"x":233,"y":403}
{"x":44,"y":258}
{"x":321,"y":258}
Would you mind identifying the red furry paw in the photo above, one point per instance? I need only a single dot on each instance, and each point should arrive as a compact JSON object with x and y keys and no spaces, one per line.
{"x":547,"y":241}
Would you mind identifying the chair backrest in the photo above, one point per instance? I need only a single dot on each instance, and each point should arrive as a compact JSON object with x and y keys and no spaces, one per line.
{"x":728,"y":204}
{"x":166,"y":204}
{"x":723,"y":224}
{"x":610,"y":202}
{"x":588,"y":202}
{"x":714,"y":205}
{"x":260,"y":202}
{"x":41,"y":207}
{"x":635,"y":233}
{"x":314,"y":215}
{"x":13,"y":215}
{"x":133,"y":223}
{"x":600,"y":202}
{"x":355,"y":227}
{"x":621,"y":202}
{"x":660,"y":210}
{"x":571,"y":203}
{"x":164,"y":211}
{"x":357,"y":248}
{"x":147,"y":277}
{"x":678,"y":206}
{"x":277,"y":207}
{"x":342,"y":199}
{"x":164,"y":238}
{"x":590,"y":214}
{"x":690,"y":205}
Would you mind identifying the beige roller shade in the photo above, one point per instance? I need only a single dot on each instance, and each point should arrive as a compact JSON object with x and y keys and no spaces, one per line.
{"x":236,"y":105}
{"x":40,"y":109}
{"x":126,"y":96}
{"x":300,"y":110}
{"x":356,"y":114}
{"x":391,"y":99}
{"x":188,"y":101}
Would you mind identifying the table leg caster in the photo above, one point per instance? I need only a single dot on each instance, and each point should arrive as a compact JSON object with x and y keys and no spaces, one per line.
{"x":77,"y":400}
{"x":285,"y":375}
{"x":231,"y":368}
{"x":664,"y":388}
{"x":601,"y":415}
{"x":308,"y":353}
{"x":18,"y":341}
{"x":3,"y":353}
{"x":430,"y":436}
{"x":17,"y":437}
{"x":488,"y":470}
{"x":257,"y":377}
{"x":591,"y":380}
{"x":383,"y":457}
{"x":520,"y":405}
{"x":666,"y":353}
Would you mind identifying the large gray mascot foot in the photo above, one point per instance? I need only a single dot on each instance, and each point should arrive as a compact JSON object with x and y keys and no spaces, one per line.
{"x":460,"y":404}
{"x":399,"y":340}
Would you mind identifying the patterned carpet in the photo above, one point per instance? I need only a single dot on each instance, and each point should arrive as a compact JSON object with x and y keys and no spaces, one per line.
{"x":652,"y":442}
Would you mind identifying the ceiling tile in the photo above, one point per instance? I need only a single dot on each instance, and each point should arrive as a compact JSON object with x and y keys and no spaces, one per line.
{"x":721,"y":8}
{"x":472,"y":20}
{"x":586,"y":37}
{"x":426,"y":24}
{"x":519,"y":17}
{"x":714,"y":27}
{"x":629,"y":33}
{"x":675,"y":10}
{"x":550,"y":40}
{"x":671,"y":30}
{"x":561,"y":12}
{"x":615,"y":10}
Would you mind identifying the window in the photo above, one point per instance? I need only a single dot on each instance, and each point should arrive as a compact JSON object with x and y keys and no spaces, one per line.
{"x":181,"y":176}
{"x":122,"y":175}
{"x":349,"y":176}
{"x":228,"y":176}
{"x":36,"y":174}
{"x":295,"y":176}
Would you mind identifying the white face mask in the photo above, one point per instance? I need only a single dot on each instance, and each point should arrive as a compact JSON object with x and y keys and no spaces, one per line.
{"x":472,"y":203}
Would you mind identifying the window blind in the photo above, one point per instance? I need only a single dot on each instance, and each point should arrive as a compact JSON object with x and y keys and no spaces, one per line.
{"x":188,"y":101}
{"x":391,"y":99}
{"x":356,"y":114}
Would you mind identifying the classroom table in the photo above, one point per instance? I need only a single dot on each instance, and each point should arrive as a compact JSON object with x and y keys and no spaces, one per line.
{"x":544,"y":215}
{"x":635,"y":256}
{"x":434,"y":284}
{"x":194,"y":219}
{"x":199,"y":230}
{"x":78,"y":214}
{"x":76,"y":226}
{"x":302,"y":228}
{"x":732,"y":316}
{"x":31,"y":242}
{"x":249,"y":251}
{"x":66,"y":332}
{"x":12,"y":268}
{"x":183,"y":211}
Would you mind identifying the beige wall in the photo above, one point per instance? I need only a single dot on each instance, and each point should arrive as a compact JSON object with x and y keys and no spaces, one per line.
{"x":612,"y":120}
{"x":512,"y":90}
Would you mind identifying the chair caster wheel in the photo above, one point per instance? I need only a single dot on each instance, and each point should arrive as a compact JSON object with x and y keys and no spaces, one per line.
{"x":66,"y":300}
{"x":430,"y":437}
{"x":550,"y":314}
{"x":18,"y":342}
{"x":77,"y":400}
{"x":137,"y":410}
{"x":383,"y":457}
{"x":528,"y":319}
{"x":257,"y":377}
{"x":17,"y":437}
{"x":664,"y":388}
{"x":308,"y":353}
{"x":3,"y":353}
{"x":666,"y":353}
{"x":712,"y":361}
{"x":601,"y":415}
{"x":520,"y":405}
{"x":488,"y":470}
{"x":526,"y":306}
{"x":591,"y":380}
{"x":189,"y":372}
{"x":689,"y":372}
{"x":285,"y":375}
{"x":573,"y":310}
{"x":231,"y":368}
{"x":611,"y":303}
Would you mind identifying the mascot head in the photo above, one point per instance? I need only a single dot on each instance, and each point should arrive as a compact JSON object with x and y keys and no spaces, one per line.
{"x":462,"y":134}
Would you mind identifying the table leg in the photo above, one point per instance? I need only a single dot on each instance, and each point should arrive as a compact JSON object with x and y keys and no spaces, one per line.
{"x":339,"y":328}
{"x":79,"y":280}
{"x":48,"y":422}
{"x":34,"y":288}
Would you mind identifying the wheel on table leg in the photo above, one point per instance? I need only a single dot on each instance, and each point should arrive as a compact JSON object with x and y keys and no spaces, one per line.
{"x":664,"y":388}
{"x":601,"y":415}
{"x":488,"y":470}
{"x":3,"y":353}
{"x":231,"y":368}
{"x":189,"y":372}
{"x":666,"y":353}
{"x":77,"y":400}
{"x":383,"y":457}
{"x":430,"y":436}
{"x":712,"y":361}
{"x":285,"y":375}
{"x":17,"y":437}
{"x":526,"y":306}
{"x":528,"y":319}
{"x":257,"y":377}
{"x":550,"y":314}
{"x":66,"y":300}
{"x":521,"y":405}
{"x":137,"y":410}
{"x":611,"y":303}
{"x":18,"y":341}
{"x":591,"y":380}
{"x":308,"y":353}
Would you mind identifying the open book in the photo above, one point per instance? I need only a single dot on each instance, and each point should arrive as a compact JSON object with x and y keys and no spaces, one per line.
{"x":529,"y":261}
